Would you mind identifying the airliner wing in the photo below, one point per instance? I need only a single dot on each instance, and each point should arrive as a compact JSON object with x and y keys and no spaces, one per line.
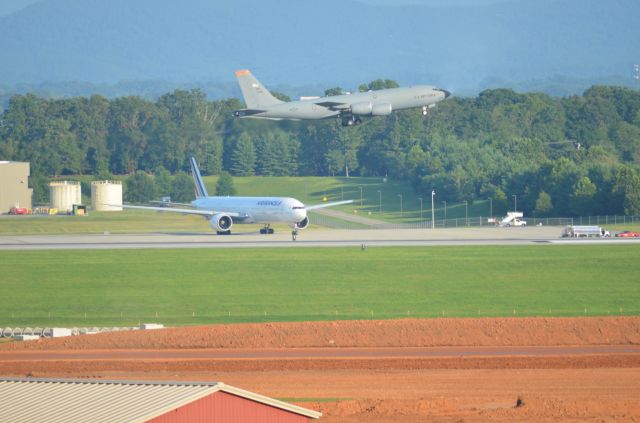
{"x":321,"y":206}
{"x":170,"y":204}
{"x":206,"y":213}
{"x":333,"y":105}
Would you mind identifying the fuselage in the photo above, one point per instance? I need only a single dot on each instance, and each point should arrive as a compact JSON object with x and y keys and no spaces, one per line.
{"x":396,"y":98}
{"x":262,"y":210}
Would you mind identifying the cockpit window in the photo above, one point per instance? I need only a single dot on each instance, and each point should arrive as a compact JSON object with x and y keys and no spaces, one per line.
{"x":298,"y":207}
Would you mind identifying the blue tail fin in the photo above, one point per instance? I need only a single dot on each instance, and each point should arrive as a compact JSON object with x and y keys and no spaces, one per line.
{"x":201,"y":190}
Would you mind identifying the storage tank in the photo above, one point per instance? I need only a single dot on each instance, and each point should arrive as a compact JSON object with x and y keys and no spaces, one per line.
{"x":106,"y":195}
{"x":64,"y":194}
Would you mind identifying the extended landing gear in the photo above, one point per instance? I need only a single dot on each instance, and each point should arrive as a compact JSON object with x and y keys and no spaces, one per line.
{"x":294,"y":234}
{"x":267,"y":230}
{"x":224,"y":232}
{"x":425,"y":111}
{"x":350,"y":120}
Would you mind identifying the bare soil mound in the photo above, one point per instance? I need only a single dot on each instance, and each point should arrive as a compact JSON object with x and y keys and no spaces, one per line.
{"x":527,"y":331}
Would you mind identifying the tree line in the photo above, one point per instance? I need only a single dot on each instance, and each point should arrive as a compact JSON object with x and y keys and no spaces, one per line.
{"x":568,"y":156}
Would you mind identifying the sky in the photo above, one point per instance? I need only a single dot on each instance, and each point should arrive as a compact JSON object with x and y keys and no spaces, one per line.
{"x":9,"y":6}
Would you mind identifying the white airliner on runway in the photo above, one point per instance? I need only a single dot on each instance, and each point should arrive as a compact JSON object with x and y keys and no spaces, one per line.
{"x":223,"y":212}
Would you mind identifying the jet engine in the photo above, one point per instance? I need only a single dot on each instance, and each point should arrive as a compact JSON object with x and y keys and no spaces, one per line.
{"x":381,"y":109}
{"x":303,"y":223}
{"x":221,"y":222}
{"x":363,"y":108}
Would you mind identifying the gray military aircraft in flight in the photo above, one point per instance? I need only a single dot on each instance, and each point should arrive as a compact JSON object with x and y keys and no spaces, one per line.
{"x":261,"y":104}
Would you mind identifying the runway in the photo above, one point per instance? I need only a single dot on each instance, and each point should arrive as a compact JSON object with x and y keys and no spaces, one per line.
{"x":311,"y":238}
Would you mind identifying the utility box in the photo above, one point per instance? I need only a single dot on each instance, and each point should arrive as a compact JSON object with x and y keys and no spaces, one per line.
{"x":79,"y":210}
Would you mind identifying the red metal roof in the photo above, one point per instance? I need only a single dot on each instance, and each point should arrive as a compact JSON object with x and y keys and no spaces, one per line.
{"x":69,"y":400}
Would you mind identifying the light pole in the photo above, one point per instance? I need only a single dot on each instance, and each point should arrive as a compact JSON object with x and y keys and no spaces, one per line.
{"x":380,"y":193}
{"x":490,"y":207}
{"x":400,"y":195}
{"x":420,"y":198}
{"x":360,"y":196}
{"x":445,"y":212}
{"x":466,"y":213}
{"x":515,"y":202}
{"x":433,"y":213}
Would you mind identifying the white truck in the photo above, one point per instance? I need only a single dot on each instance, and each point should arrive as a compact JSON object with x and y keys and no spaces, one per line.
{"x":585,"y":232}
{"x":513,"y":219}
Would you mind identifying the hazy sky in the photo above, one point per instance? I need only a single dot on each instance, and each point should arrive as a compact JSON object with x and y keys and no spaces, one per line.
{"x":9,"y":6}
{"x":434,"y":3}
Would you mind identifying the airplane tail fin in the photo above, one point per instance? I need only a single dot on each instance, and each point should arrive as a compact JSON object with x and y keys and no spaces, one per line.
{"x":255,"y":94}
{"x":201,"y":190}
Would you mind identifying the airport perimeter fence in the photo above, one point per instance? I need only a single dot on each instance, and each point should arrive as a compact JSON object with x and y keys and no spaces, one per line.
{"x":115,"y":323}
{"x":476,"y":221}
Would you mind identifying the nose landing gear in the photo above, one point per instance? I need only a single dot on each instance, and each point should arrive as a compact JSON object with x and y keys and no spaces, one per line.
{"x":294,"y":234}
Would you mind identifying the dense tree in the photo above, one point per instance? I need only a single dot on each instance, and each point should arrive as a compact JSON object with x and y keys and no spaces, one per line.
{"x":182,"y":188}
{"x":243,"y":156}
{"x":333,"y":91}
{"x":560,"y":156}
{"x":543,"y":204}
{"x":139,"y":188}
{"x":163,"y":181}
{"x":627,"y":189}
{"x":225,"y":185}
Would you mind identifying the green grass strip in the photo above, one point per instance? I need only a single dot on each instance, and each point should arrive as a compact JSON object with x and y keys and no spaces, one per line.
{"x":183,"y":287}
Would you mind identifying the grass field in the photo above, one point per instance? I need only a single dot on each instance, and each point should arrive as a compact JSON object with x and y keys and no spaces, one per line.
{"x":181,"y":287}
{"x":380,"y":201}
{"x":377,"y":194}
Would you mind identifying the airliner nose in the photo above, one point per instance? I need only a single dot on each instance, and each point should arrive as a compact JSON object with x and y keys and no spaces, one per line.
{"x":300,"y":214}
{"x":444,"y":92}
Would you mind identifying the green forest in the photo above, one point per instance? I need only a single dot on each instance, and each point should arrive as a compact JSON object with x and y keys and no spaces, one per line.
{"x":570,"y":156}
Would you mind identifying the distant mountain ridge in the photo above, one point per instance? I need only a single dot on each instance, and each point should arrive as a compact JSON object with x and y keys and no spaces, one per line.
{"x":334,"y":42}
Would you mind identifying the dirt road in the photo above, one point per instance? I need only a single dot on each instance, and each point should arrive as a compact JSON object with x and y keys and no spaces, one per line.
{"x":469,"y":370}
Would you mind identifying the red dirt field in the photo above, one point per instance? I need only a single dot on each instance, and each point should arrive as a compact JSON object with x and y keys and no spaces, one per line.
{"x":414,"y":370}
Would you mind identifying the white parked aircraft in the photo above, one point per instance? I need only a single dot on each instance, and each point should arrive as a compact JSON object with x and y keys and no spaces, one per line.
{"x":261,"y":104}
{"x":223,"y":212}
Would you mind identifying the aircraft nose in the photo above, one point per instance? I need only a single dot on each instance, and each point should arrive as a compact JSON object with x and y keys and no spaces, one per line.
{"x":299,"y":214}
{"x":446,"y":93}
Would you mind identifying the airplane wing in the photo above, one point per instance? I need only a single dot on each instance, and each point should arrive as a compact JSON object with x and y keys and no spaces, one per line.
{"x":206,"y":213}
{"x":335,"y":203}
{"x":170,"y":204}
{"x":247,"y":112}
{"x":333,"y":105}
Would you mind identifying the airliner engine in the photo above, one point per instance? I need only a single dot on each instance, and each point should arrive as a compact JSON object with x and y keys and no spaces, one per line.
{"x":303,"y":223}
{"x":363,"y":108}
{"x":221,"y":222}
{"x":381,"y":109}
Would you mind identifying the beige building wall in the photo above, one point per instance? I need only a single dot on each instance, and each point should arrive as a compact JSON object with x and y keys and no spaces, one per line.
{"x":14,"y":185}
